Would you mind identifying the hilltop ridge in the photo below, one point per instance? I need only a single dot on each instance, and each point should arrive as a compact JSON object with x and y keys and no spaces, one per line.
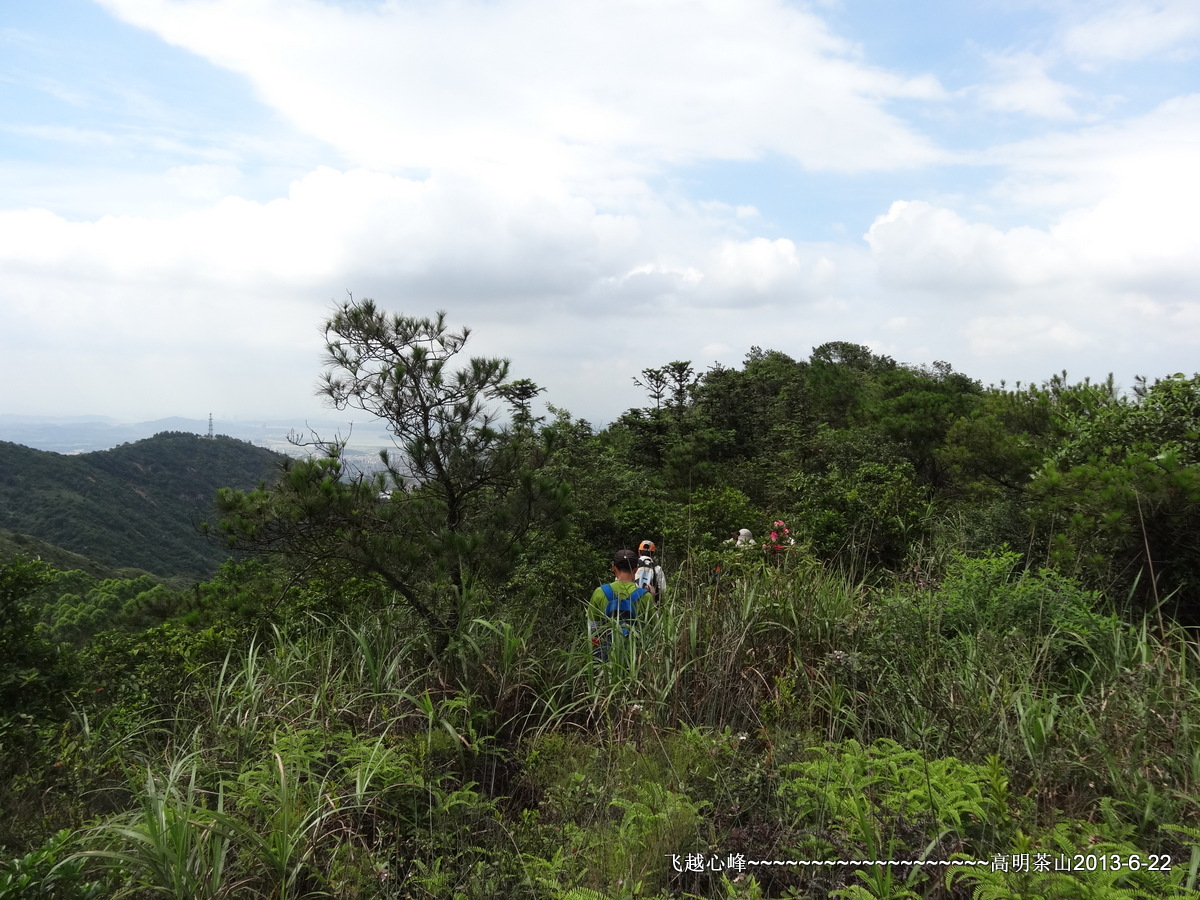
{"x":137,"y":505}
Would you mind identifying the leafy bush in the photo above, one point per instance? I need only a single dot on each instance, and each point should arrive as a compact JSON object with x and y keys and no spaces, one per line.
{"x":709,"y":517}
{"x":77,"y":606}
{"x":151,"y":670}
{"x":49,"y":873}
{"x":869,"y":511}
{"x":994,"y":595}
{"x":33,"y":672}
{"x":1121,"y":494}
{"x":555,"y":575}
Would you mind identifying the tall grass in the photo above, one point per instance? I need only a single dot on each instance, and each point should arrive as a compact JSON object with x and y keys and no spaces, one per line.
{"x":337,"y":757}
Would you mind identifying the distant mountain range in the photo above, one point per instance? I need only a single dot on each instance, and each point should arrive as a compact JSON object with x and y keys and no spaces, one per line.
{"x":137,"y":505}
{"x":81,"y":434}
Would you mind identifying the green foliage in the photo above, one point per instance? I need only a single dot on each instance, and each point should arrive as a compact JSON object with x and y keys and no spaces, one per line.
{"x":150,"y":671}
{"x":177,"y":844}
{"x":1122,"y":492}
{"x":710,"y":516}
{"x":998,"y":444}
{"x":889,"y":802}
{"x":14,"y":545}
{"x":654,"y":823}
{"x":612,"y":501}
{"x":454,"y":503}
{"x":242,"y":591}
{"x":749,"y":404}
{"x":332,"y":758}
{"x":867,"y":503}
{"x":76,"y":606}
{"x":552,"y":574}
{"x":49,"y":873}
{"x":916,"y":408}
{"x":409,"y":708}
{"x":619,"y":824}
{"x":995,"y":595}
{"x":286,"y":795}
{"x":1075,"y":860}
{"x":136,"y":505}
{"x":34,"y":674}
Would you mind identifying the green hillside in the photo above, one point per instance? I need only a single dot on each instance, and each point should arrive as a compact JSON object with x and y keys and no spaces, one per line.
{"x":13,"y":545}
{"x":136,"y":505}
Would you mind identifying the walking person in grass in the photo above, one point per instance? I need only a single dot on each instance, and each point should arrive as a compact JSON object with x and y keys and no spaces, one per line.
{"x":613,"y":609}
{"x":650,"y":574}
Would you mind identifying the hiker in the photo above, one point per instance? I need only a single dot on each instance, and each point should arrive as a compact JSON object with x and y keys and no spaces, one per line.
{"x":742,"y":539}
{"x":614,"y":607}
{"x":650,"y":575}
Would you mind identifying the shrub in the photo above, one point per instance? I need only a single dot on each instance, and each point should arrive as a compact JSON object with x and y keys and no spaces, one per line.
{"x":993,"y":595}
{"x":48,"y":873}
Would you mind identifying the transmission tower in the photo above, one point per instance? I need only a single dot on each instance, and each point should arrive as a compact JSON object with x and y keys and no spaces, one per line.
{"x":210,"y":434}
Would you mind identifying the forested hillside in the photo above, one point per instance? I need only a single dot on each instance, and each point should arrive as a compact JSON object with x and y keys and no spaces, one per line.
{"x":136,"y":505}
{"x":954,"y":660}
{"x":13,"y":545}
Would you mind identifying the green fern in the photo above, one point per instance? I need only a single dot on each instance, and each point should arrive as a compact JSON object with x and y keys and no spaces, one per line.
{"x":582,"y":894}
{"x":1069,"y":839}
{"x":1193,"y":840}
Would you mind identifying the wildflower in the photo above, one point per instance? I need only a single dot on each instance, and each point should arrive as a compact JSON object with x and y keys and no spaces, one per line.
{"x":780,"y":537}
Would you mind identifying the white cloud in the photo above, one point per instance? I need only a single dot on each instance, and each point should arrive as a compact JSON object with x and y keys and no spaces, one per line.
{"x":1135,"y":30}
{"x":441,"y":234}
{"x":1016,"y":335}
{"x":1121,"y":199}
{"x":241,"y":280}
{"x":1141,"y":236}
{"x":1105,"y":280}
{"x":1079,"y":168}
{"x":921,"y":246}
{"x":540,"y":87}
{"x":206,"y":182}
{"x":1021,"y":84}
{"x":65,"y":134}
{"x":1109,"y":276}
{"x":759,"y":264}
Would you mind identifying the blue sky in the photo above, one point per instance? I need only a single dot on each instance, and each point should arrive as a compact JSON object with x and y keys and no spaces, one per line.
{"x":186,"y":186}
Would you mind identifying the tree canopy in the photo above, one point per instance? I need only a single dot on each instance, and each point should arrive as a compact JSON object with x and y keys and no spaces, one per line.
{"x":459,"y":492}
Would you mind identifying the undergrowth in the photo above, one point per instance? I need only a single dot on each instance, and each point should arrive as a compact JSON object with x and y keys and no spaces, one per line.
{"x":950,"y":734}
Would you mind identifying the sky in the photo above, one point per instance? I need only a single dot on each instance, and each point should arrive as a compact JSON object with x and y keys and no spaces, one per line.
{"x":189,"y":187}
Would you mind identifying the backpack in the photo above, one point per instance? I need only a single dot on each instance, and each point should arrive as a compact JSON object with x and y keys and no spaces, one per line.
{"x":647,"y":576}
{"x":623,"y":610}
